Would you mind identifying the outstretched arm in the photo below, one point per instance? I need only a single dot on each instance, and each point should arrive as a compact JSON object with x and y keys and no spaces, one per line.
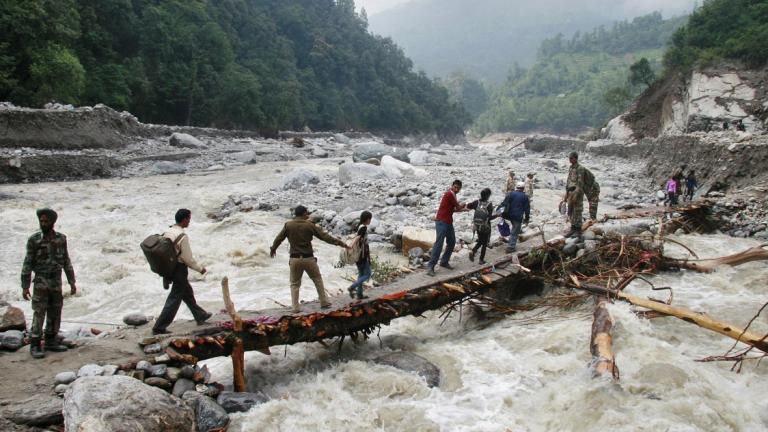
{"x":279,"y":239}
{"x":324,"y":236}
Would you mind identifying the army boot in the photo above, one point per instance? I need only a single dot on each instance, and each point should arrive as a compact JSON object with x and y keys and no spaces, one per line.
{"x":53,"y":345}
{"x":35,"y":350}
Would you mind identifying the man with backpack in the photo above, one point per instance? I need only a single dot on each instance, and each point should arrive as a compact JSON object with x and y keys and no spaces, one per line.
{"x":481,"y":222}
{"x":46,"y":256}
{"x":580,"y":181}
{"x":181,"y":290}
{"x":299,"y":231}
{"x":517,"y":209}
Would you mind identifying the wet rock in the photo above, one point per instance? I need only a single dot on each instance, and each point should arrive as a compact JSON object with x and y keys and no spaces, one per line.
{"x":246,"y":157}
{"x":60,"y":389}
{"x":154,"y":348}
{"x":158,"y":382}
{"x":182,"y":386}
{"x":298,"y":179}
{"x":158,"y":370}
{"x":119,"y":403}
{"x":135,"y":319}
{"x":240,"y":402}
{"x":11,"y":318}
{"x":209,"y":415}
{"x":341,"y":138}
{"x":187,"y":372}
{"x":65,"y":377}
{"x":411,"y":362}
{"x":39,"y":411}
{"x":90,"y":370}
{"x":319,"y":152}
{"x":185,"y":141}
{"x":375,"y":150}
{"x":11,"y":340}
{"x":166,"y":167}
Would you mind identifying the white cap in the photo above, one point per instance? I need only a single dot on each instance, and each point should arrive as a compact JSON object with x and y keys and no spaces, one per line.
{"x":520,"y":185}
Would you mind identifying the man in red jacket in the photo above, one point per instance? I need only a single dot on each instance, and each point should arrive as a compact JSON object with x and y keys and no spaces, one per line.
{"x":444,"y":227}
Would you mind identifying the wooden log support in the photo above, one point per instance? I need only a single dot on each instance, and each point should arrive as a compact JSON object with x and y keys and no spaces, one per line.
{"x":238,"y":350}
{"x":601,"y":342}
{"x":757,"y":253}
{"x":701,"y":320}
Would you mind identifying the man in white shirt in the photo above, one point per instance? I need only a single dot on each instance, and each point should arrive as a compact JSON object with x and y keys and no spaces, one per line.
{"x":181,"y":290}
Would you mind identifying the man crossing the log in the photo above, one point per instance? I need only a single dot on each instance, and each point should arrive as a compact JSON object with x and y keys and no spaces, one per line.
{"x":575,"y":186}
{"x":46,"y":257}
{"x":299,"y":231}
{"x":517,"y":209}
{"x":181,"y":290}
{"x":444,"y":228}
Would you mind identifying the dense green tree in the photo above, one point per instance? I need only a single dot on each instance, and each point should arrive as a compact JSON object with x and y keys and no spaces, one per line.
{"x":641,"y":73}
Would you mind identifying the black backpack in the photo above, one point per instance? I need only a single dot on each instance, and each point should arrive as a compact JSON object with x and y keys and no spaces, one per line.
{"x":161,"y":253}
{"x":481,"y":219}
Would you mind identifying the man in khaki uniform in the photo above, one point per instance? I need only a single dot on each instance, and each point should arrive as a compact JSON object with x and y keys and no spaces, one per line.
{"x":300,"y":231}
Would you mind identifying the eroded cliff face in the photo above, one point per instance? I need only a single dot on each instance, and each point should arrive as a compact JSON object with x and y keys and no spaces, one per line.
{"x":701,"y":101}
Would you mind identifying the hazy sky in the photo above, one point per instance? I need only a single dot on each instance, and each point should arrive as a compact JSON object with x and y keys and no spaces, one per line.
{"x":631,"y":7}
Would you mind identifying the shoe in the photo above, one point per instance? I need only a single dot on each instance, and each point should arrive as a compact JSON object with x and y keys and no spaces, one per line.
{"x":351,"y":291}
{"x":431,"y":272}
{"x":204,"y":318}
{"x":35,"y":351}
{"x":482,"y":262}
{"x":160,"y":331}
{"x":326,"y":306}
{"x":53,"y":346}
{"x":510,"y":250}
{"x":472,"y":256}
{"x":362,"y":297}
{"x":448,"y":266}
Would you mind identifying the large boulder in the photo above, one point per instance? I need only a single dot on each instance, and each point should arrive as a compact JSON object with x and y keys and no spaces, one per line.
{"x":120,"y":403}
{"x":185,"y":140}
{"x":299,"y":178}
{"x":167,"y":167}
{"x":353,"y":172}
{"x":376,"y":150}
{"x":417,"y":238}
{"x":11,"y":340}
{"x":411,"y":362}
{"x":246,"y":157}
{"x":209,"y":415}
{"x":618,"y":131}
{"x":11,"y":318}
{"x":419,"y":158}
{"x":39,"y":411}
{"x":542,"y":143}
{"x":396,"y":168}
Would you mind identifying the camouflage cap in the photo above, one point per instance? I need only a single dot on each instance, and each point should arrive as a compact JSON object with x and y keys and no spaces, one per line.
{"x":52,"y":215}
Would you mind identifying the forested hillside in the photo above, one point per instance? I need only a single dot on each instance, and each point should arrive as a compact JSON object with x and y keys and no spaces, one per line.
{"x":578,"y":82}
{"x":722,"y":29}
{"x":267,"y":65}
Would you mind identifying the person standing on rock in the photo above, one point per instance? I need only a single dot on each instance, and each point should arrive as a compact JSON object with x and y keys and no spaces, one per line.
{"x":181,"y":290}
{"x":517,"y":209}
{"x":529,"y":186}
{"x":444,"y":227}
{"x":46,"y":257}
{"x":574,"y":194}
{"x":364,"y":262}
{"x":690,"y":185}
{"x":510,"y":185}
{"x":299,"y":231}
{"x":481,"y":222}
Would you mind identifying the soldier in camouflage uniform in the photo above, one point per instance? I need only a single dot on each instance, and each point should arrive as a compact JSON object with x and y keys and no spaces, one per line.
{"x":574,"y":194}
{"x":592,"y":191}
{"x":46,"y":256}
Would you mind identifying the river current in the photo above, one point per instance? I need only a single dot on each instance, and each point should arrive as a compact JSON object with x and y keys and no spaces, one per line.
{"x":518,"y":374}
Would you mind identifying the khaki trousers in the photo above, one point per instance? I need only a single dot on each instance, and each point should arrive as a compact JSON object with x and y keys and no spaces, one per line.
{"x":298,"y":266}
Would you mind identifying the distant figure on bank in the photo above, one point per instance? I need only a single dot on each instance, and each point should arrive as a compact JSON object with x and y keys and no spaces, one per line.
{"x":364,"y":262}
{"x":671,"y":189}
{"x":517,"y":210}
{"x":46,"y":257}
{"x":529,"y":186}
{"x":181,"y":290}
{"x":579,"y":181}
{"x":725,"y":125}
{"x":299,"y":231}
{"x":739,"y":125}
{"x":510,"y":185}
{"x":690,"y":185}
{"x":481,"y":222}
{"x":444,"y":227}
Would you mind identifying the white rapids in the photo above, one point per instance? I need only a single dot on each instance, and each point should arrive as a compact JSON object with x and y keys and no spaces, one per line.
{"x":514,"y":375}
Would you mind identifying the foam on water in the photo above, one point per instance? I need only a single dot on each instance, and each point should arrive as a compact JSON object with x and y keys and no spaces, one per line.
{"x":517,"y":374}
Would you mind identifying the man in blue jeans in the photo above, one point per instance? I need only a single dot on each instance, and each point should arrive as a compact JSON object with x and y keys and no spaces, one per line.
{"x":444,"y":227}
{"x":517,"y":209}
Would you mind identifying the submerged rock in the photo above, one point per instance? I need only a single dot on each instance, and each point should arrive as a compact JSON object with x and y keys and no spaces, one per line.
{"x":298,"y":179}
{"x":166,"y":167}
{"x":240,"y":402}
{"x":120,"y":403}
{"x":210,"y":416}
{"x":411,"y":362}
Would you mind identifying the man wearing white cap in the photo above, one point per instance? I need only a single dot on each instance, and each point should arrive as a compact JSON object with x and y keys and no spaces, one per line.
{"x":517,"y":209}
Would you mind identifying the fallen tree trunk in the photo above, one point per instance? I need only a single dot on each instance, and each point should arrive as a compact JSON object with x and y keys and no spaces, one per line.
{"x":601,"y":342}
{"x":701,"y":320}
{"x":757,"y":253}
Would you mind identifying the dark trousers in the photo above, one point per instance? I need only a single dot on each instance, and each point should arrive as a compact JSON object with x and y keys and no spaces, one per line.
{"x":445,"y":233}
{"x":482,"y":243}
{"x":181,"y":291}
